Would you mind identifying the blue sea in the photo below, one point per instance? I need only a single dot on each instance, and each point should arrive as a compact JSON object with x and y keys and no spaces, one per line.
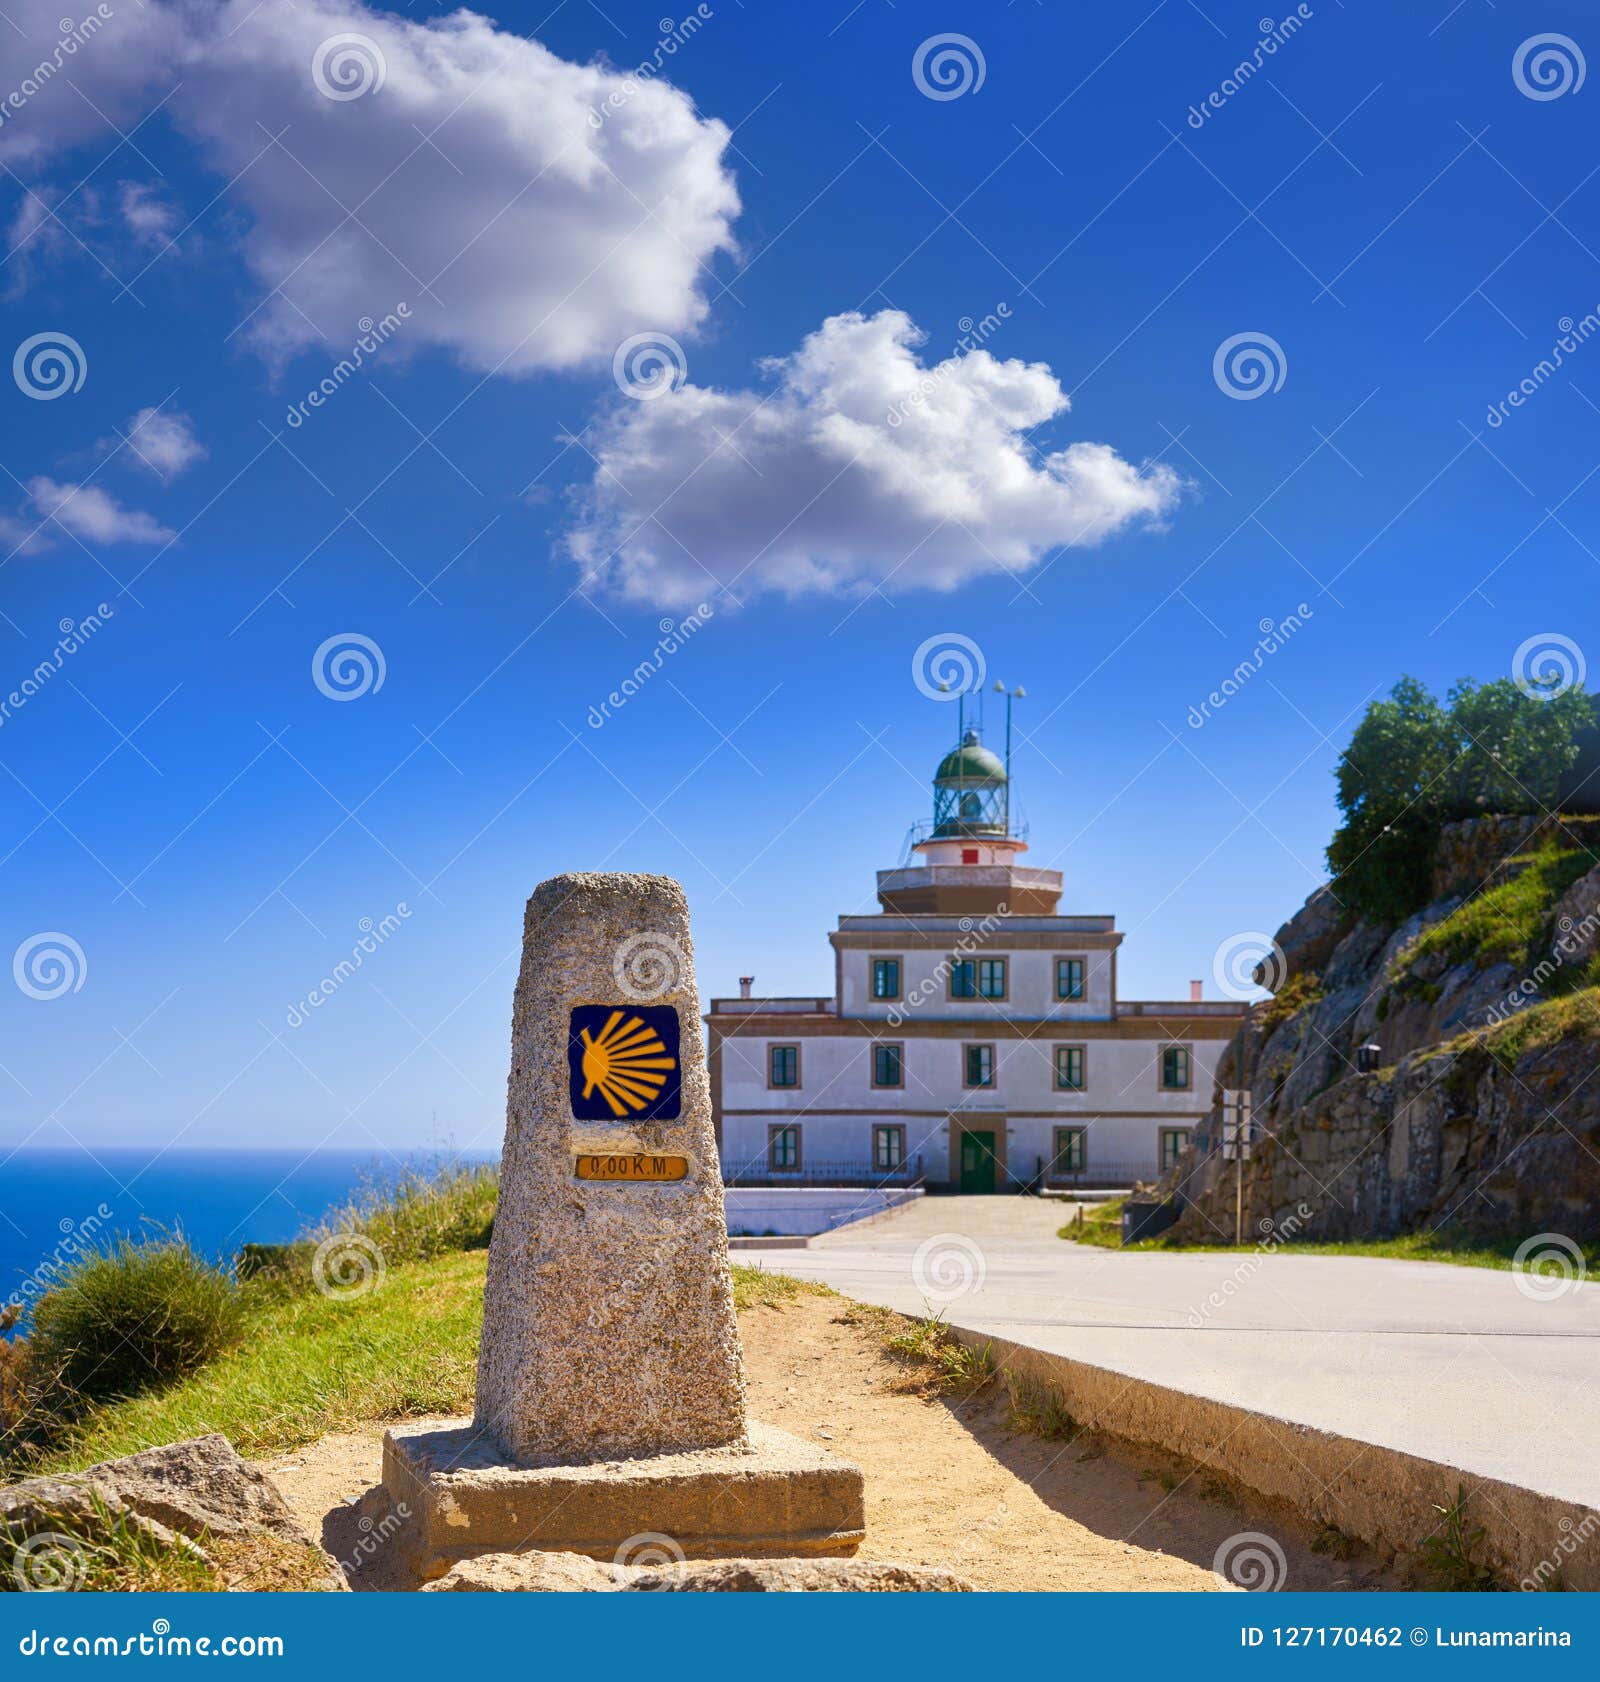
{"x":53,"y":1202}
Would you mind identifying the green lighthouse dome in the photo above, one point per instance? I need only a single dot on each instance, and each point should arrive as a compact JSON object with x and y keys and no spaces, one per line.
{"x":971,"y":765}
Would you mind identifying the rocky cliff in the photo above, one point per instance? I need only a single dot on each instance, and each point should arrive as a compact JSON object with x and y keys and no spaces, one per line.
{"x":1483,"y":1110}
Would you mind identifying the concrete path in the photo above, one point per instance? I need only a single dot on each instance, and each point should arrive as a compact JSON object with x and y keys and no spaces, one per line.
{"x":1454,"y":1364}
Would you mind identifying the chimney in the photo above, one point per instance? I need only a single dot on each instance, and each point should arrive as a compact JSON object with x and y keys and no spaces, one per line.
{"x":746,"y":982}
{"x":1196,"y":992}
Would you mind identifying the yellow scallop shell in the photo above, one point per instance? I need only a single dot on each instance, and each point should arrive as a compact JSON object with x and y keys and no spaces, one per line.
{"x":626,"y":1062}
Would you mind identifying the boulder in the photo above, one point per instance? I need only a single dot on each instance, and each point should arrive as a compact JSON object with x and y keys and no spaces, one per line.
{"x":567,"y":1572}
{"x":42,"y":1506}
{"x":530,"y":1573}
{"x":1307,"y":940}
{"x":203,"y":1486}
{"x":802,"y":1576}
{"x":179,"y":1494}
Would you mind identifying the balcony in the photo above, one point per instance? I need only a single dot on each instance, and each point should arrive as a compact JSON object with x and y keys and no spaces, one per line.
{"x":962,"y":889}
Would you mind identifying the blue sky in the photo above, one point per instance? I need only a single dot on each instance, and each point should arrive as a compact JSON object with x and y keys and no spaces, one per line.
{"x":1383,"y":204}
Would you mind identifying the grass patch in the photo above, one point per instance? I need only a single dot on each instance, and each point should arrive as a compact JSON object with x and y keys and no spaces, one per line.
{"x":1450,"y":1245}
{"x":937,"y":1361}
{"x":310,"y":1364}
{"x":755,"y":1287}
{"x":1510,"y":922}
{"x":97,"y":1551}
{"x":1571,"y":1016}
{"x":1297,"y":993}
{"x":422,"y":1215}
{"x":1040,"y":1412}
{"x":1332,"y":1543}
{"x":1099,"y":1224}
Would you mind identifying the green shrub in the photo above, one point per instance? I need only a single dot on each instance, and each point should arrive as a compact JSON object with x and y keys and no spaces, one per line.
{"x":133,"y":1316}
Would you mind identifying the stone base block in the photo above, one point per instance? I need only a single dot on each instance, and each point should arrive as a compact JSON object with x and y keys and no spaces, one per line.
{"x":460,"y":1496}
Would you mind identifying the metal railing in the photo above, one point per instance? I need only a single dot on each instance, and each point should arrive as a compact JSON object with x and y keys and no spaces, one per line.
{"x":844,"y":1172}
{"x":1095,"y":1176}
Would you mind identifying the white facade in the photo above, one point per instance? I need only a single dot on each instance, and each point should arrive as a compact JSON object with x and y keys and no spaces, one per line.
{"x":974,"y":1040}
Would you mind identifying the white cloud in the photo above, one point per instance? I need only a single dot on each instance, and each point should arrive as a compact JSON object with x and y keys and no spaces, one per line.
{"x":149,"y":218}
{"x":862,"y":466}
{"x":163,"y":441}
{"x":472,"y":183}
{"x":93,"y":514}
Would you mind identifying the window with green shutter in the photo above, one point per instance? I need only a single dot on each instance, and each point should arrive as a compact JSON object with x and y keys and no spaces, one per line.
{"x":980,"y":1065}
{"x":1069,"y":978}
{"x":1069,"y":1068}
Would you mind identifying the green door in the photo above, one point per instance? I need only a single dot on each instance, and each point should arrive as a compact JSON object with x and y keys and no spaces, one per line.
{"x":977,"y":1163}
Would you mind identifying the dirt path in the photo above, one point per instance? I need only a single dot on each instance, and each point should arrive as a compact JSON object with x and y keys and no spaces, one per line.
{"x":948,"y":1484}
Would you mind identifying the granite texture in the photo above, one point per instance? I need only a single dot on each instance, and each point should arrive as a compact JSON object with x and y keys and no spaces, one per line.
{"x":769,"y":1494}
{"x":609,"y":1327}
{"x":772,"y":1493}
{"x":545,"y":1573}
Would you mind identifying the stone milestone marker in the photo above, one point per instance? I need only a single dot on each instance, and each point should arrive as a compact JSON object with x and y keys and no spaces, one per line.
{"x":610,"y":1398}
{"x":608,"y":1326}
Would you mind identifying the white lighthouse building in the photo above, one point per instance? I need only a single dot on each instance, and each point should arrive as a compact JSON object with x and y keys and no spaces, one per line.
{"x":974,"y":1040}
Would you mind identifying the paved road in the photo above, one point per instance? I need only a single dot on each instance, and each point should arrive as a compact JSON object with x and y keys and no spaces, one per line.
{"x":1456,"y":1364}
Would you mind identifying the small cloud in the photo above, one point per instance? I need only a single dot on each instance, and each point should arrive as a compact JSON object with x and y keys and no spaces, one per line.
{"x":93,"y":514}
{"x":20,"y":537}
{"x":164,"y":442}
{"x":149,"y":218}
{"x":33,"y":237}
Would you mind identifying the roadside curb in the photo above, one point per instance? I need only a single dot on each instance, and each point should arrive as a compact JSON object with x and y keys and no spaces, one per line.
{"x":1381,"y":1496}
